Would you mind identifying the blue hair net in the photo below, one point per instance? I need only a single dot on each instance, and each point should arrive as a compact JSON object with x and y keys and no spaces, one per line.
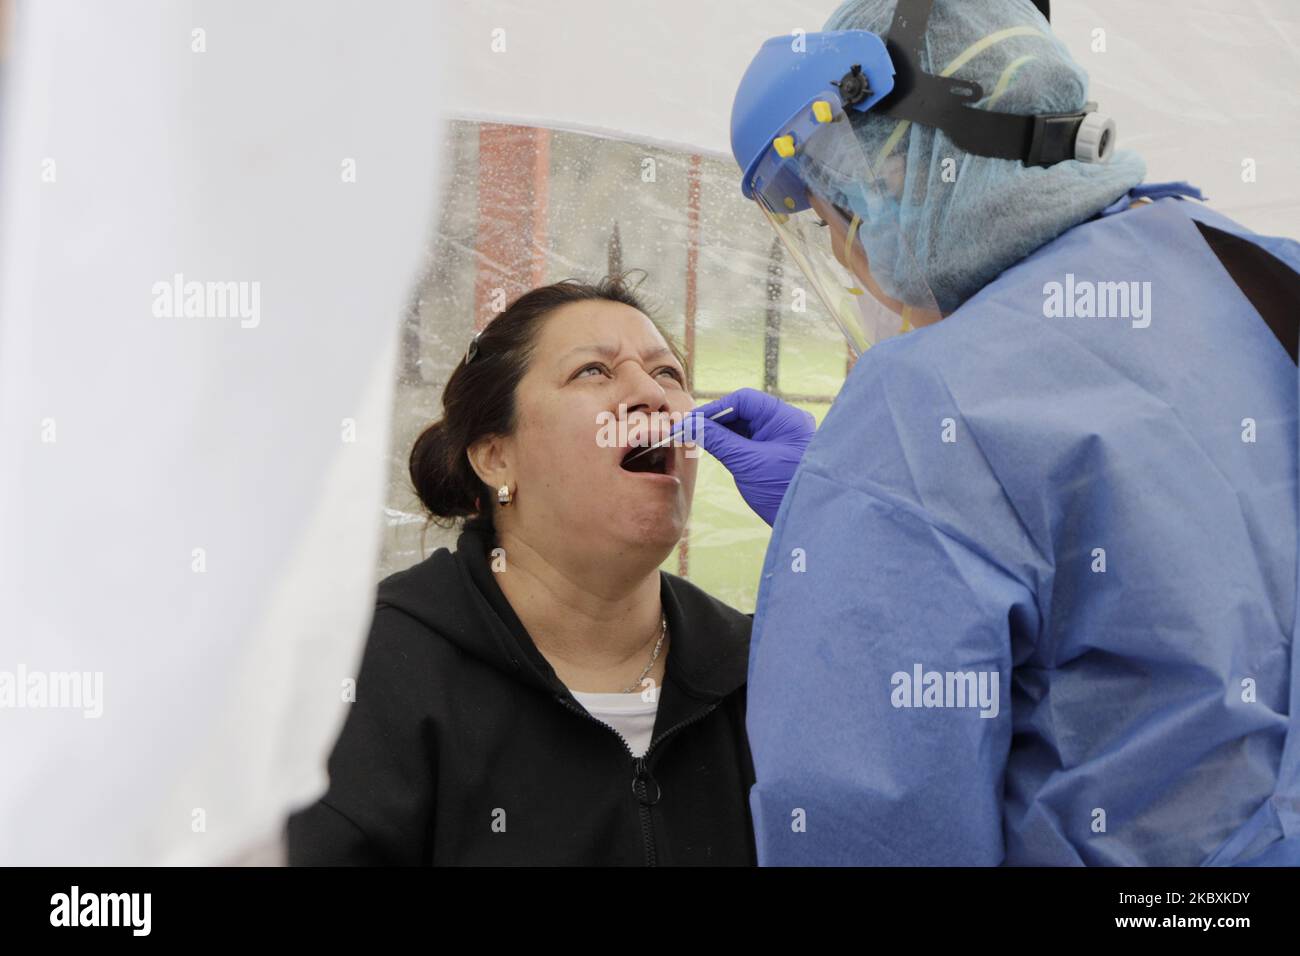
{"x":950,"y":219}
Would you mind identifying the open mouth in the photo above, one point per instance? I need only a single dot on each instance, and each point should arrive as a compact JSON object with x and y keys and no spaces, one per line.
{"x":657,"y":461}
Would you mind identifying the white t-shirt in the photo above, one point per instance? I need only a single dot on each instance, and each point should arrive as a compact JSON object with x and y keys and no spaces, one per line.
{"x":631,"y":716}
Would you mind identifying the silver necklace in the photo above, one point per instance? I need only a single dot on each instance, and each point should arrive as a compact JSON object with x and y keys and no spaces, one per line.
{"x":663,"y":629}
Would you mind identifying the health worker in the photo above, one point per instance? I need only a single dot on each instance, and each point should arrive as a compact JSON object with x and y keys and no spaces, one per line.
{"x":1030,"y":596}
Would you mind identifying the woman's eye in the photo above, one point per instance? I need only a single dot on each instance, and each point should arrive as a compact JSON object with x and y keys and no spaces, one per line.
{"x":594,"y":367}
{"x":677,"y":376}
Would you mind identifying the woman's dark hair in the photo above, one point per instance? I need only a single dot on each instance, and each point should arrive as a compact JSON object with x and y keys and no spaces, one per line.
{"x":479,"y":398}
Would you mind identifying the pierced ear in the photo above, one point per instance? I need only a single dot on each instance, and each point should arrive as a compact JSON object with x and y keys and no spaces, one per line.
{"x":489,"y":457}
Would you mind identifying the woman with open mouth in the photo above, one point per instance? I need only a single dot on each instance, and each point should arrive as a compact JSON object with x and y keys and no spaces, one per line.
{"x":545,"y":695}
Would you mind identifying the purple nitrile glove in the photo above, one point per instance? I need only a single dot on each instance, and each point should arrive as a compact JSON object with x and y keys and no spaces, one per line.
{"x":760,"y":443}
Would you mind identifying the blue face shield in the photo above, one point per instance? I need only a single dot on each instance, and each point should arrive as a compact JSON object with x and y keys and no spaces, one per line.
{"x":919,"y":153}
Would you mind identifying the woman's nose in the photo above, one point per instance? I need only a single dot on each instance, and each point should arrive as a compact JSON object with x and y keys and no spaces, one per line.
{"x":643,"y":392}
{"x":647,"y":407}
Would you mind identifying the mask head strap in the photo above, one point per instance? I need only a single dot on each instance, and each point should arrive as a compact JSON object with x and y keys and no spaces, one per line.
{"x":947,"y":103}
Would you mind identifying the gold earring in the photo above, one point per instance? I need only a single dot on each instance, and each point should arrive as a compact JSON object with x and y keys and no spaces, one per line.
{"x":504,"y":497}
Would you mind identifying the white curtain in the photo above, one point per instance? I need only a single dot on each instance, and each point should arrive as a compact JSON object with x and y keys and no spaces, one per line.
{"x":190,"y":504}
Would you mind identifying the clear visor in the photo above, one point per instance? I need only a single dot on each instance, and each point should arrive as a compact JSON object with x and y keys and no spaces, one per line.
{"x":844,"y":233}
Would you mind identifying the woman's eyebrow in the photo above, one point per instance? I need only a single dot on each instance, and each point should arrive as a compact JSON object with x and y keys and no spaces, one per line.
{"x":606,"y":351}
{"x":611,"y":352}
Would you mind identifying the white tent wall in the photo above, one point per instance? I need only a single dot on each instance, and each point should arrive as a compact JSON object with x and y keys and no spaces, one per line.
{"x":1197,"y":86}
{"x":189,"y":503}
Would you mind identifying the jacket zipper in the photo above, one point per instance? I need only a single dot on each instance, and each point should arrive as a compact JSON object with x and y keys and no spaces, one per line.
{"x":641,"y":776}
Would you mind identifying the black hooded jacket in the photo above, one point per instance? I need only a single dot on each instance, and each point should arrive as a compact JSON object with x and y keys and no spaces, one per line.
{"x":463,"y":747}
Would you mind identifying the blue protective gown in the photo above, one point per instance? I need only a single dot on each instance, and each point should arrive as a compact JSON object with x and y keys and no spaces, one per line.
{"x":1089,"y":520}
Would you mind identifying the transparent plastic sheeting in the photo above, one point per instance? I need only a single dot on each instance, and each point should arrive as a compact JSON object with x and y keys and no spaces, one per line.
{"x":527,"y":206}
